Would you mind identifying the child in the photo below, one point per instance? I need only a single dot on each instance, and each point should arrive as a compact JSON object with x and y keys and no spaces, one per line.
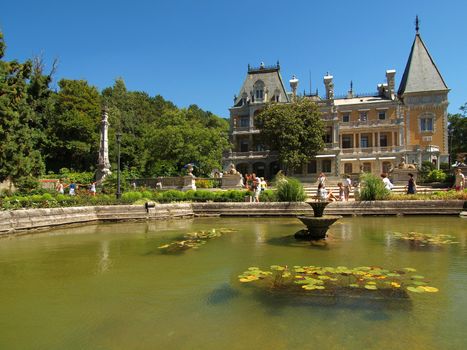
{"x":341,"y":191}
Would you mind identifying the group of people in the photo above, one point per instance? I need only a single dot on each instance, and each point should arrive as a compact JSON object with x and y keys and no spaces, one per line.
{"x":255,"y":184}
{"x":344,"y":189}
{"x":73,"y":187}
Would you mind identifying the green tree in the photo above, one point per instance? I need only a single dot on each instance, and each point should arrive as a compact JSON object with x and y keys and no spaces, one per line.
{"x":19,"y":157}
{"x":294,"y":130}
{"x":457,"y":130}
{"x":74,"y":126}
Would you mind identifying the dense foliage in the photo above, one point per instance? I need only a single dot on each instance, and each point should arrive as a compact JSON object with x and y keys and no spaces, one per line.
{"x":43,"y":131}
{"x":289,"y":189}
{"x":53,"y":200}
{"x":294,"y":130}
{"x":457,"y":131}
{"x":372,"y":188}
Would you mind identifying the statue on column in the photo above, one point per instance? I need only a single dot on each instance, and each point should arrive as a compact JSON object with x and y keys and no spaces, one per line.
{"x":103,"y":165}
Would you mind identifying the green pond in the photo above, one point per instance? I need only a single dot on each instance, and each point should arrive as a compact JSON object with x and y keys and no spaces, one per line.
{"x":109,"y":286}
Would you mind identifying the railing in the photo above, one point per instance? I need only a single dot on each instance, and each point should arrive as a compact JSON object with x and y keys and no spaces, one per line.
{"x":355,"y":95}
{"x":385,"y":149}
{"x":262,"y":68}
{"x":250,"y":154}
{"x":429,"y":148}
{"x":371,"y":123}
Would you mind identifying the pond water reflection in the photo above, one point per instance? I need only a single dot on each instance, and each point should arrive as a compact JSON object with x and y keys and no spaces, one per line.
{"x":108,"y":286}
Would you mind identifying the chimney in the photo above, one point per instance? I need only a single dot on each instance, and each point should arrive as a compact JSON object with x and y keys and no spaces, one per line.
{"x":329,"y":86}
{"x":391,"y":81}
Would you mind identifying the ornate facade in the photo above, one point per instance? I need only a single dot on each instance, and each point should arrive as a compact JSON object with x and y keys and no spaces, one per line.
{"x":364,"y":132}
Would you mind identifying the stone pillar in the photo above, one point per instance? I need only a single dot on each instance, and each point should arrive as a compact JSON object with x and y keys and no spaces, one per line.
{"x":103,"y":164}
{"x":401,"y":136}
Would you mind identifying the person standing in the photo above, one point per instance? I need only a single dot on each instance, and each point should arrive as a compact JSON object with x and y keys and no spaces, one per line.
{"x":411,"y":185}
{"x":93,"y":189}
{"x":347,"y":186}
{"x":341,"y":191}
{"x":322,"y":179}
{"x":60,"y":188}
{"x":387,"y":183}
{"x":460,"y":180}
{"x":72,"y":189}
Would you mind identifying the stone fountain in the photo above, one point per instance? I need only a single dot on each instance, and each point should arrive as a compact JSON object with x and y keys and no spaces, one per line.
{"x":317,"y":225}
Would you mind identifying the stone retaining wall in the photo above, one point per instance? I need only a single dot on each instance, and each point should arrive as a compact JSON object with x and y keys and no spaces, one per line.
{"x":21,"y":220}
{"x":410,"y":207}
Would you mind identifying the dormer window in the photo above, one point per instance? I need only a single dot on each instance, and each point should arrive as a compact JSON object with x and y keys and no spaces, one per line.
{"x":258,"y":88}
{"x":244,"y":98}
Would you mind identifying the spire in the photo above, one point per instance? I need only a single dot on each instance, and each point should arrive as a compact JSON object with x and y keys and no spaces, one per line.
{"x":421,"y":73}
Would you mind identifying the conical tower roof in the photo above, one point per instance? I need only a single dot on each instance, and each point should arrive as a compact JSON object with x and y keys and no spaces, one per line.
{"x":421,"y":73}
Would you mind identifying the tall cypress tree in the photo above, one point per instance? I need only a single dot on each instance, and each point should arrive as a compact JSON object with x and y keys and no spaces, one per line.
{"x":19,"y":157}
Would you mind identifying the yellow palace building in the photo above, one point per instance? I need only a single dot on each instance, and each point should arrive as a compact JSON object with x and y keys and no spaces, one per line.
{"x":365,"y":132}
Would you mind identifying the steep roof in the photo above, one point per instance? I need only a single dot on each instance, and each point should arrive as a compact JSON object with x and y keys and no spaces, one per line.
{"x":271,"y":78}
{"x":421,"y":73}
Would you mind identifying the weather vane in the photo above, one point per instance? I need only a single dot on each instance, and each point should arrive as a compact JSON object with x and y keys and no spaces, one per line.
{"x":417,"y":22}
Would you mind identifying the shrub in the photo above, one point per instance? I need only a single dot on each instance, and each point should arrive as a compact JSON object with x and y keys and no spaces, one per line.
{"x":372,"y":188}
{"x":26,"y":184}
{"x":436,"y":176}
{"x":171,"y":196}
{"x":204,"y":183}
{"x":131,"y":197}
{"x":204,"y":196}
{"x":268,"y":196}
{"x":290,"y":190}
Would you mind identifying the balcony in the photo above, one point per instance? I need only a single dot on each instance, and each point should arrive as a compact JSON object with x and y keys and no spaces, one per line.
{"x":239,"y":130}
{"x":372,"y":150}
{"x":370,"y":123}
{"x":248,"y":155}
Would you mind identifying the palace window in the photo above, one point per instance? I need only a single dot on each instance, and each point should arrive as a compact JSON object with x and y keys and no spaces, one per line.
{"x":346,"y":141}
{"x":244,"y":146}
{"x":348,"y":168}
{"x":312,"y":167}
{"x":327,"y":138}
{"x":363,"y":116}
{"x":426,"y":124}
{"x":258,"y":88}
{"x":346,"y":118}
{"x":382,"y":115}
{"x":244,"y":122}
{"x":364,"y":141}
{"x":383,"y":140}
{"x":367,"y":167}
{"x":326,"y":166}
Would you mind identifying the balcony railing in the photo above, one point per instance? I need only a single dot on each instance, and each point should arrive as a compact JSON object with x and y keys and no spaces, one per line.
{"x":385,"y":149}
{"x":248,"y":155}
{"x":370,"y":123}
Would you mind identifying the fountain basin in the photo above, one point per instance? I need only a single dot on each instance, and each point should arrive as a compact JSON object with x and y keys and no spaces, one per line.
{"x":316,"y":226}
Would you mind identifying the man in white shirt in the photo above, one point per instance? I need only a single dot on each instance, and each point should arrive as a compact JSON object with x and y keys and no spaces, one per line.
{"x":387,"y":183}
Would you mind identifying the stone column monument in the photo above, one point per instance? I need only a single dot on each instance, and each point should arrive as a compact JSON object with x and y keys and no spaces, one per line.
{"x":103,"y":165}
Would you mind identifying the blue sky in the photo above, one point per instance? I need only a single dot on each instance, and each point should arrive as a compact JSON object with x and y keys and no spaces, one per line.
{"x":197,"y":52}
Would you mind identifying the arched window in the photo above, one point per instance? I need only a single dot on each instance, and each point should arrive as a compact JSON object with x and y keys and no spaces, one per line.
{"x":258,"y":88}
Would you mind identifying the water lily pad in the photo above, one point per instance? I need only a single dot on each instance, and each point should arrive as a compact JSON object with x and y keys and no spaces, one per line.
{"x":370,"y":287}
{"x":418,"y":277}
{"x":409,"y":269}
{"x":430,"y":289}
{"x":354,"y":285}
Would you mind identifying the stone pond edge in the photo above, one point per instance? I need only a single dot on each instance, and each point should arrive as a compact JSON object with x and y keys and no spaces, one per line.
{"x":16,"y":221}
